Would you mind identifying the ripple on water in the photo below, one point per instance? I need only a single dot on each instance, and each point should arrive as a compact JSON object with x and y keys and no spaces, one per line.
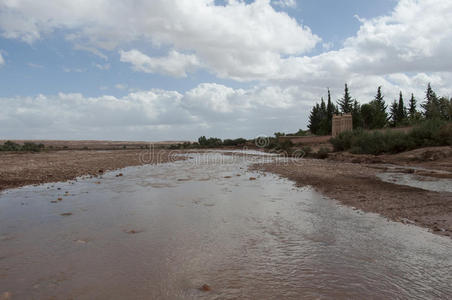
{"x":149,"y":235}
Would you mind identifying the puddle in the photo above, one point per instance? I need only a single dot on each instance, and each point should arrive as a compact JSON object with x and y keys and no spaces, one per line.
{"x":418,"y":181}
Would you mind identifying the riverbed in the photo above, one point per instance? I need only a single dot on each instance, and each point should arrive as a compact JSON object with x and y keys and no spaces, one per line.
{"x":208,"y":228}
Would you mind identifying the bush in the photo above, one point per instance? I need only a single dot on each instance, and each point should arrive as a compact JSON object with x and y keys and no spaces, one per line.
{"x":344,"y":140}
{"x":27,"y":146}
{"x":322,"y":153}
{"x":10,"y":146}
{"x":429,"y":133}
{"x":307,"y":150}
{"x":236,"y":142}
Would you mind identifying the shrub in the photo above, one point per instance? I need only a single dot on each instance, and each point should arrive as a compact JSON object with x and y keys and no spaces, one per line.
{"x":10,"y":146}
{"x":429,"y":133}
{"x":307,"y":150}
{"x":344,"y":140}
{"x":322,"y":153}
{"x":27,"y":146}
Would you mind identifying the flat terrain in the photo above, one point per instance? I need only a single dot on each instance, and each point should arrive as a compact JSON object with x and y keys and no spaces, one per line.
{"x":93,"y":144}
{"x":356,"y":184}
{"x":350,"y":179}
{"x":19,"y":169}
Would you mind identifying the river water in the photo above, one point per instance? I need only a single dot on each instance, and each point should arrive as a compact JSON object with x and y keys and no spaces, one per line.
{"x":162,"y":232}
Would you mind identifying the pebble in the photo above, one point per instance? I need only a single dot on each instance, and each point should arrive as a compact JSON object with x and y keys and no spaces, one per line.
{"x":205,"y":288}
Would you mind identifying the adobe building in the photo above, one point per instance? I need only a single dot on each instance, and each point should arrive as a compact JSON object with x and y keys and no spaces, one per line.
{"x":341,"y":123}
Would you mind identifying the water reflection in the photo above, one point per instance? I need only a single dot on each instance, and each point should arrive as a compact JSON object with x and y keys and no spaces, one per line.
{"x":164,"y":231}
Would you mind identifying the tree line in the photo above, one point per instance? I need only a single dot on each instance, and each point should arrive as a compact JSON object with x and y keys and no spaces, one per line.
{"x":375,"y":114}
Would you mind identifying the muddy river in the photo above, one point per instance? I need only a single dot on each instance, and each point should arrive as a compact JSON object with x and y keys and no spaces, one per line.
{"x":164,"y":231}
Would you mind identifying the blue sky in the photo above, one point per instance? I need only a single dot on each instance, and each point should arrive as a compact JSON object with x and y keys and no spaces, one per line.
{"x":52,"y":65}
{"x":239,"y":68}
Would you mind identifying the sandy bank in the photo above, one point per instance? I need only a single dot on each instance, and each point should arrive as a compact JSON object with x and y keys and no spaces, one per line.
{"x":20,"y":169}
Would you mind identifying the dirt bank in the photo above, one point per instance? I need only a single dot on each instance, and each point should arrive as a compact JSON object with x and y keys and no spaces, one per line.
{"x":19,"y":169}
{"x":436,"y":158}
{"x":356,"y":185}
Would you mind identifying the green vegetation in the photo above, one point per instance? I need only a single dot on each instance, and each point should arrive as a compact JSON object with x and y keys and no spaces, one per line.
{"x":210,"y":142}
{"x":27,"y":146}
{"x":320,"y":119}
{"x":429,"y":133}
{"x":374,"y":115}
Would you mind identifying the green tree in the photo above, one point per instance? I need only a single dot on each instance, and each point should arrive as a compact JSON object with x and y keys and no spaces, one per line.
{"x":330,"y":111}
{"x":401,"y":111}
{"x":431,"y":104}
{"x":412,"y":109}
{"x":445,"y":108}
{"x":346,"y":103}
{"x":314,"y":119}
{"x":356,"y":115}
{"x":367,"y":114}
{"x":318,"y":119}
{"x":393,"y":111}
{"x":380,"y":116}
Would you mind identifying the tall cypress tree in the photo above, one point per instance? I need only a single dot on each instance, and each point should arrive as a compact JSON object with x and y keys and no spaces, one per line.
{"x":356,"y":115}
{"x":323,"y":115}
{"x":401,"y":110}
{"x":394,"y":109}
{"x":412,"y":111}
{"x":330,"y":109}
{"x":380,"y":117}
{"x":346,"y":103}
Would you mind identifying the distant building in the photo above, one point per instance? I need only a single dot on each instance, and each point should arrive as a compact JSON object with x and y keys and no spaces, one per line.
{"x":342,"y":123}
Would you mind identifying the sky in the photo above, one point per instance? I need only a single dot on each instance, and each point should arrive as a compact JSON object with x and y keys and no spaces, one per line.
{"x":178,"y":69}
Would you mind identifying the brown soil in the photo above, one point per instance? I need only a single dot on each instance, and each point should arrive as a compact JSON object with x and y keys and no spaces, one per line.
{"x":356,"y":185}
{"x":20,"y":169}
{"x":435,"y":158}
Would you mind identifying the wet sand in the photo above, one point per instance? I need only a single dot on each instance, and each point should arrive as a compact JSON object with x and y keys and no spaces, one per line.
{"x":20,"y":169}
{"x":357,"y":185}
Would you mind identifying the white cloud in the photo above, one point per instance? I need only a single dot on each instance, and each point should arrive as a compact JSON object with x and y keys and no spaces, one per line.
{"x":403,"y":50}
{"x":121,"y":86}
{"x":154,"y":114}
{"x":103,"y":67}
{"x":2,"y":61}
{"x":285,"y":3}
{"x":234,"y":40}
{"x":36,"y":66}
{"x":76,"y":70}
{"x":175,"y":64}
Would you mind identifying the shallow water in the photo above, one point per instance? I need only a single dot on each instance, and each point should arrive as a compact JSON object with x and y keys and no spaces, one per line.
{"x":163,"y":231}
{"x":418,"y":181}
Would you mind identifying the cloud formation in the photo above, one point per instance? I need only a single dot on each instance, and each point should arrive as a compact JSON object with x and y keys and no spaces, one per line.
{"x":2,"y":61}
{"x":151,"y":115}
{"x":253,"y":42}
{"x":232,"y":39}
{"x":175,"y":64}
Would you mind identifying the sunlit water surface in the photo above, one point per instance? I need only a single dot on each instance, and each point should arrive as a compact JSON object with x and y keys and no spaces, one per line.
{"x":161,"y":232}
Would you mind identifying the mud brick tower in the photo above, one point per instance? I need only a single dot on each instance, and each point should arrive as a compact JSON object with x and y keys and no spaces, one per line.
{"x":342,"y":123}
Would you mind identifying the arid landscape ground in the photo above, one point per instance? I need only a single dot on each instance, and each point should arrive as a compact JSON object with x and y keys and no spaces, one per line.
{"x":350,"y":179}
